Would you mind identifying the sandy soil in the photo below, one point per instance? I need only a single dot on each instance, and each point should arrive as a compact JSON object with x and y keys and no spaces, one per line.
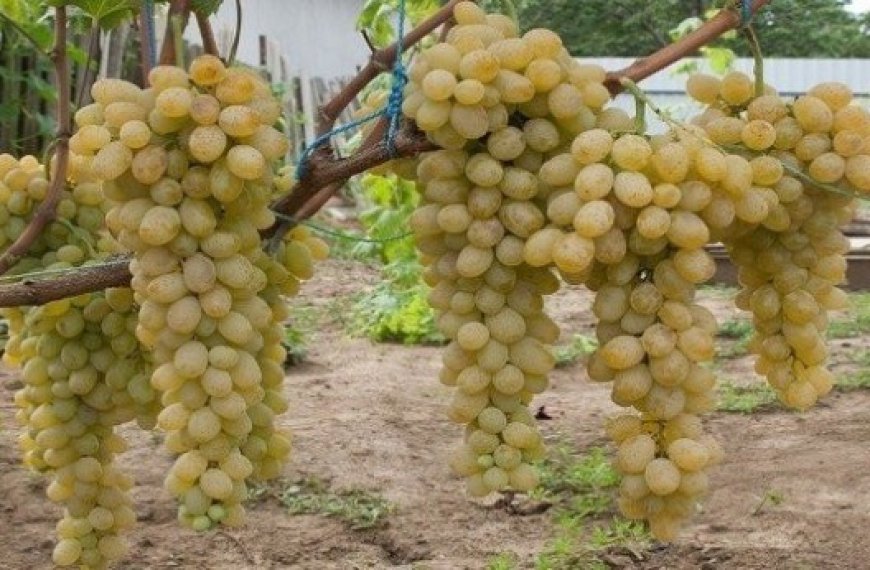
{"x":370,"y":416}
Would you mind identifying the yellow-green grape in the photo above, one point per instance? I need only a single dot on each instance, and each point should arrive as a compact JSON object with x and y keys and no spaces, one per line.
{"x":703,"y":88}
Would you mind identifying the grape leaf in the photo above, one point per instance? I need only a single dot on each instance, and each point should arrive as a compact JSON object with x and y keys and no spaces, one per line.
{"x":109,"y":13}
{"x":206,"y":7}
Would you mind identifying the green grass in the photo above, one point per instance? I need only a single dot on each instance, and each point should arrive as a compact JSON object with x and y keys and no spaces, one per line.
{"x":359,"y":508}
{"x":745,"y":399}
{"x":582,"y":489}
{"x":503,"y":561}
{"x":858,"y":321}
{"x":579,"y":347}
{"x":738,"y":330}
{"x":859,"y":380}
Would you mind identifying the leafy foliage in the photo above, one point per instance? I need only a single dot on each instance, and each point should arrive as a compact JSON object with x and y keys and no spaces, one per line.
{"x":27,"y":124}
{"x":359,"y":508}
{"x":719,"y":59}
{"x":109,"y":13}
{"x":396,"y":310}
{"x":387,"y":201}
{"x":207,"y":7}
{"x":747,"y":399}
{"x":579,"y":347}
{"x":378,"y":17}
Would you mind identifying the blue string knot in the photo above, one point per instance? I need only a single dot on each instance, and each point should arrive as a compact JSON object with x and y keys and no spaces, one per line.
{"x":392,"y":110}
{"x":745,"y":13}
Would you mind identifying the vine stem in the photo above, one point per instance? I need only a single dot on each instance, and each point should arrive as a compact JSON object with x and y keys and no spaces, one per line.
{"x":93,"y":47}
{"x":757,"y":58}
{"x":237,"y":34}
{"x":48,"y":208}
{"x":724,"y":21}
{"x":177,"y":8}
{"x":209,"y":44}
{"x":178,"y":23}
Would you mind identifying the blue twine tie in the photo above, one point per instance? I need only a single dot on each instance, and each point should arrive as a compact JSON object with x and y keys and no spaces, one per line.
{"x":393,"y":108}
{"x":400,"y":79}
{"x":152,"y":35}
{"x":745,"y":12}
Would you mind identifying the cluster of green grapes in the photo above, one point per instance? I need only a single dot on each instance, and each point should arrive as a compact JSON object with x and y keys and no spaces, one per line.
{"x":791,"y":262}
{"x":535,"y":174}
{"x":489,"y":304}
{"x":188,"y":165}
{"x":82,"y":371}
{"x":647,"y":205}
{"x":72,"y":236}
{"x":484,"y":198}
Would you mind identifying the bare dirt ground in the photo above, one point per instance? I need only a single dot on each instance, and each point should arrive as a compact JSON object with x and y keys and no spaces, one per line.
{"x":371,"y":417}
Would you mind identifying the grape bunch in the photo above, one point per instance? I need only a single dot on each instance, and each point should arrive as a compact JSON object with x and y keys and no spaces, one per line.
{"x":82,"y":370}
{"x":503,"y":108}
{"x":489,"y":304}
{"x":537,"y":175}
{"x":188,"y":165}
{"x":815,"y":154}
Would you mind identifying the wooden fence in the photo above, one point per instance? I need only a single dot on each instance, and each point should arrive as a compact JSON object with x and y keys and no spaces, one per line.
{"x":27,"y":113}
{"x":27,"y":95}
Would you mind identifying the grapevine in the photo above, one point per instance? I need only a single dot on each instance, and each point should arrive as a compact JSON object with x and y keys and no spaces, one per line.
{"x":528,"y":179}
{"x":558,"y":181}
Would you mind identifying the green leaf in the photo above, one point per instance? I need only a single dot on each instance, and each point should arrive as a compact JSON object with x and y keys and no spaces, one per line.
{"x":719,"y":59}
{"x":685,"y":28}
{"x":368,"y":14}
{"x":109,"y":13}
{"x":207,"y":7}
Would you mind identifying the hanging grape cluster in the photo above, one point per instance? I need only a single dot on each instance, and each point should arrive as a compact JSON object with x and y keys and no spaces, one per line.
{"x":188,"y":165}
{"x":813,"y":157}
{"x":536,"y":174}
{"x":82,"y":370}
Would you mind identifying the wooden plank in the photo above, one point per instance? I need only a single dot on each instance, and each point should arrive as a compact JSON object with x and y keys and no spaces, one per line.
{"x":309,"y":107}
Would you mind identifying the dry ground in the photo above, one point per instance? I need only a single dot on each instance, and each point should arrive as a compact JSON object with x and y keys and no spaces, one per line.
{"x":370,"y":416}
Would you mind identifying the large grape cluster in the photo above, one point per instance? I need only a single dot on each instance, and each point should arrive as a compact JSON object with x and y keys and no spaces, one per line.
{"x":188,"y":164}
{"x":82,"y":370}
{"x":815,"y":155}
{"x":535,"y":174}
{"x":504,"y":108}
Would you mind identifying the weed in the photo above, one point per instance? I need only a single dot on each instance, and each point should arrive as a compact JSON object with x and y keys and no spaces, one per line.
{"x":719,"y":290}
{"x":395,"y":313}
{"x":583,"y":480}
{"x":858,"y":322}
{"x":573,"y":548}
{"x":739,"y":330}
{"x":296,"y":345}
{"x":854,"y":381}
{"x":503,"y":561}
{"x":578,"y":348}
{"x":771,"y":497}
{"x":736,"y":329}
{"x":745,"y":399}
{"x":359,"y":508}
{"x":582,"y":488}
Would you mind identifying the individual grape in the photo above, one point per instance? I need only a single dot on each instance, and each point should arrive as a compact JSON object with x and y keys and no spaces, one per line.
{"x":758,"y":135}
{"x":703,"y":88}
{"x":207,"y":70}
{"x":736,"y":88}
